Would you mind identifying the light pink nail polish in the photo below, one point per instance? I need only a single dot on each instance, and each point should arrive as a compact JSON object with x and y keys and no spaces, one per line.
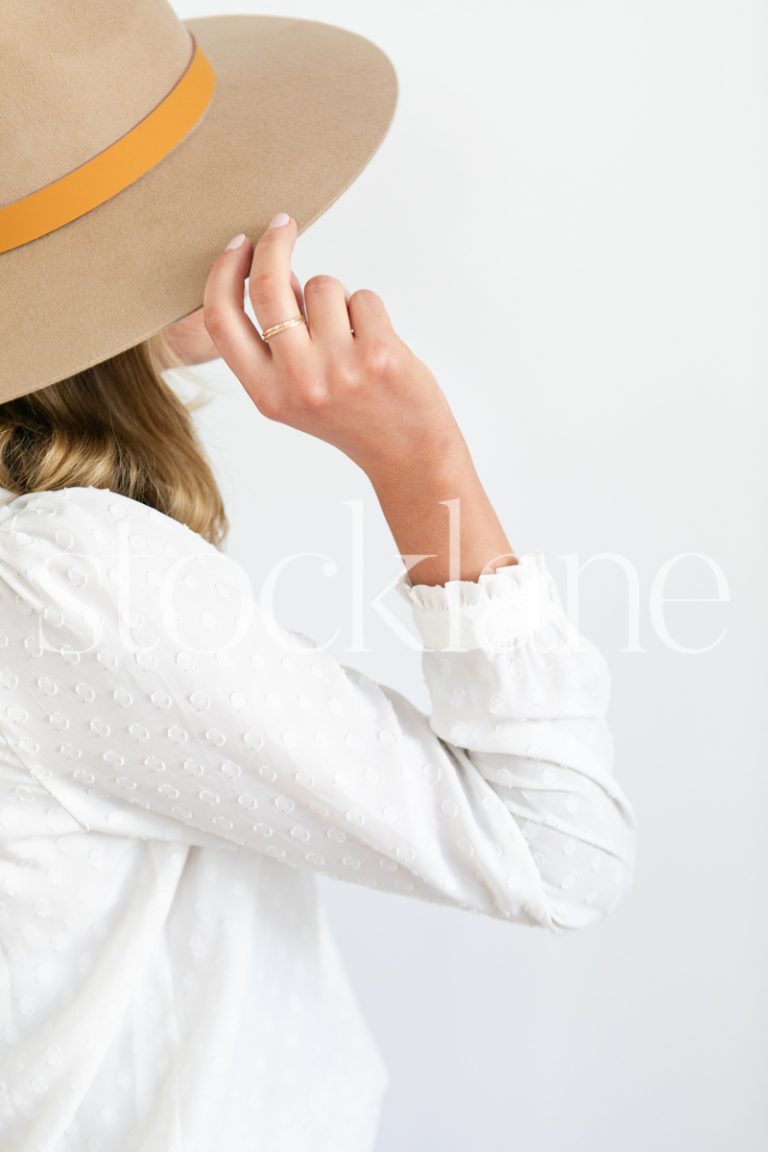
{"x":236,"y":241}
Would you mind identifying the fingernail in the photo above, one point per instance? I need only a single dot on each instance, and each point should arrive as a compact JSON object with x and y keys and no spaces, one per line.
{"x":236,"y":241}
{"x":280,"y":220}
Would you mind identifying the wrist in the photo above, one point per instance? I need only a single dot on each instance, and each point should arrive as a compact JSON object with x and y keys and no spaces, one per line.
{"x":437,"y":457}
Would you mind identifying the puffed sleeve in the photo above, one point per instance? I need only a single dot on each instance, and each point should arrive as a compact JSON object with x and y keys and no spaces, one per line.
{"x":157,"y":698}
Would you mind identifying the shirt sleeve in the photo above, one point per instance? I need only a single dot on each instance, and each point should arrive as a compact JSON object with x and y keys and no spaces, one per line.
{"x":162,"y":700}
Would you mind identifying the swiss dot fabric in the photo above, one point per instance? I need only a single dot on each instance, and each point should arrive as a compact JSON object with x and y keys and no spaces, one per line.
{"x":176,"y":768}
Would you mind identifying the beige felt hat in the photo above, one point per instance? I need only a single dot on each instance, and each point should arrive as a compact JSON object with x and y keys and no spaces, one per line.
{"x":134,"y":145}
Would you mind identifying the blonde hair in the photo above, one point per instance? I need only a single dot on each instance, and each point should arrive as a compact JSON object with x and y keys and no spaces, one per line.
{"x":117,"y":425}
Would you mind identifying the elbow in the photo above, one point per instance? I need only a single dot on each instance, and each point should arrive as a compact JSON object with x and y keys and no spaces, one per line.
{"x":589,"y":897}
{"x":567,"y":915}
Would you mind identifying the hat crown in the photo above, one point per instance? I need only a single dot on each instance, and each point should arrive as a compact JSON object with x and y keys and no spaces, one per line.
{"x":75,"y":77}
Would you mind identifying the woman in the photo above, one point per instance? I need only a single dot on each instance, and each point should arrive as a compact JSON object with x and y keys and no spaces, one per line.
{"x":176,"y":768}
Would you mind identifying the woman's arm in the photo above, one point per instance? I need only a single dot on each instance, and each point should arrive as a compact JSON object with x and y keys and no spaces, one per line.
{"x":518,"y":698}
{"x":224,"y":730}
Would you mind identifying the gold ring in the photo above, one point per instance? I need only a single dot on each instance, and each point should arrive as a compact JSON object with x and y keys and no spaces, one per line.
{"x":269,"y":332}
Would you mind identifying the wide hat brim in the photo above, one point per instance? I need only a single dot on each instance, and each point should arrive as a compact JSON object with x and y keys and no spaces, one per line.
{"x":299,"y":110}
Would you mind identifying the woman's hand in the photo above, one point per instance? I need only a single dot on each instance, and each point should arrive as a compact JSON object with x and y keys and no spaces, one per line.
{"x":365,"y":392}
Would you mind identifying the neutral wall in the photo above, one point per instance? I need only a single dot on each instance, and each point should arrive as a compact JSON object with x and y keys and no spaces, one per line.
{"x":567,"y":222}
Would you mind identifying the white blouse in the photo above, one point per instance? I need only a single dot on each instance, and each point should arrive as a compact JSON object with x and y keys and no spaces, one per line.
{"x":176,"y":768}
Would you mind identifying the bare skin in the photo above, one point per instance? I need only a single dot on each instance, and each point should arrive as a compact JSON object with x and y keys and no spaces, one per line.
{"x":364,"y":391}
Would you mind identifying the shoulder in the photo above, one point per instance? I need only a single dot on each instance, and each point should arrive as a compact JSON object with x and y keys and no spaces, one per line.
{"x":80,"y":509}
{"x":103,"y":557}
{"x":88,"y":515}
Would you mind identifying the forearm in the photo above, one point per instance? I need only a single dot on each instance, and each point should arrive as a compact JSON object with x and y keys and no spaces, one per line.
{"x":459,"y":540}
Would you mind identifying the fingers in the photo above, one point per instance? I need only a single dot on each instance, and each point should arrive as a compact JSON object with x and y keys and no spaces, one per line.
{"x":326,"y":303}
{"x":368,"y":315}
{"x":228,"y":325}
{"x":335,"y":319}
{"x":270,"y":288}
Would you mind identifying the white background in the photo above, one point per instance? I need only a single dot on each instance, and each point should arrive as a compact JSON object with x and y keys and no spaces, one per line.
{"x":567,"y":223}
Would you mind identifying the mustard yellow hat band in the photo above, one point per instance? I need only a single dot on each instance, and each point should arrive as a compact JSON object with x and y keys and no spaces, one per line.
{"x":117,"y":166}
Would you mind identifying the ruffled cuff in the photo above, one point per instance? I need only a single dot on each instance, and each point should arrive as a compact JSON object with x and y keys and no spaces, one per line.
{"x":498,"y":611}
